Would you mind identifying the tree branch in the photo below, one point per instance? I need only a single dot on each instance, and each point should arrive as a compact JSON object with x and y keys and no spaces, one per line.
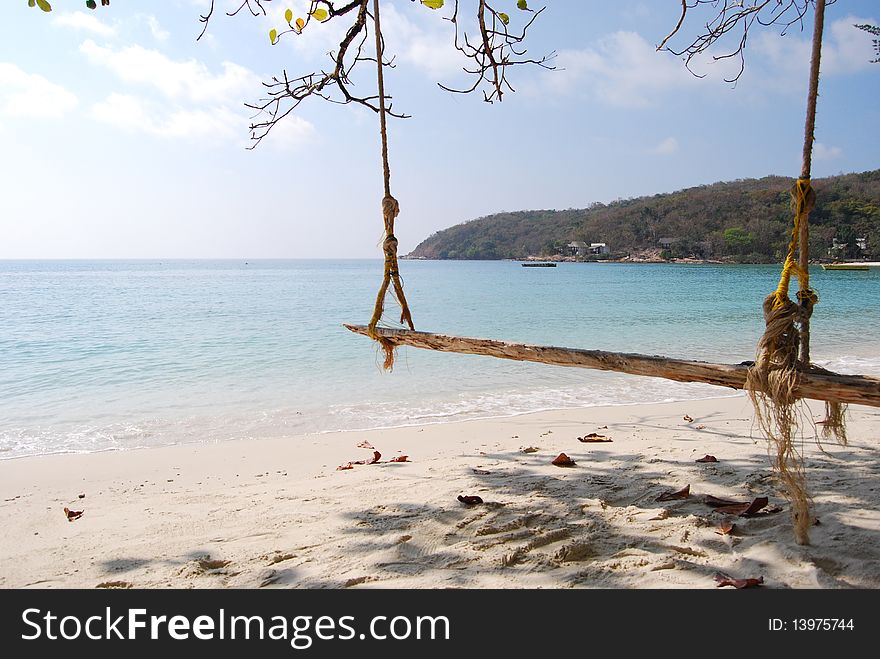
{"x":733,"y":17}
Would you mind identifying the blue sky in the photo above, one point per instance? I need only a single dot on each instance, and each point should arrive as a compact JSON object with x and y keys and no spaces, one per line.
{"x":123,"y":137}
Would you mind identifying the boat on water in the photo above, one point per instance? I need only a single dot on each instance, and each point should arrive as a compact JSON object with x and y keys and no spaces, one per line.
{"x":846,"y":266}
{"x":539,"y":265}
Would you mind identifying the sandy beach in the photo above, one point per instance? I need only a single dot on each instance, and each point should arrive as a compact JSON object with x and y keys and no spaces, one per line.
{"x":277,"y":513}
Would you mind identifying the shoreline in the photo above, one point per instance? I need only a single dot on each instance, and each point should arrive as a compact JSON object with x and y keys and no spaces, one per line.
{"x":277,"y":513}
{"x":446,"y":419}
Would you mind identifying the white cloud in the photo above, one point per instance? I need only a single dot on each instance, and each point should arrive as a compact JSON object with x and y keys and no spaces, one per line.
{"x":30,"y":95}
{"x":623,"y":70}
{"x":136,"y":114}
{"x":290,"y":133}
{"x":845,"y":50}
{"x":156,"y":29}
{"x":188,"y":80}
{"x":666,"y":148}
{"x":822,"y":152}
{"x":190,"y":101}
{"x":426,"y":45}
{"x":80,"y":20}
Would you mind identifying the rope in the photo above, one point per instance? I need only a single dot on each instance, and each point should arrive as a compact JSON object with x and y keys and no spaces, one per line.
{"x":803,"y":200}
{"x":390,"y":211}
{"x":784,"y":349}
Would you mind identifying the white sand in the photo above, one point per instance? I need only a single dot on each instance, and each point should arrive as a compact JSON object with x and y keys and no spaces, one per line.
{"x":277,"y":513}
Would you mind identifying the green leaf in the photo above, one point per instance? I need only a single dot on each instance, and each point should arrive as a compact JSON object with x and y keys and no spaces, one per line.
{"x":45,"y":6}
{"x":504,"y":17}
{"x":91,"y":4}
{"x":320,"y":15}
{"x":32,"y":3}
{"x":273,"y":35}
{"x":288,"y":15}
{"x":522,"y":4}
{"x":433,"y":4}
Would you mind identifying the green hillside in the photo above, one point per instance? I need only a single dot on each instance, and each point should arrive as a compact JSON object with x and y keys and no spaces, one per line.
{"x":745,"y":221}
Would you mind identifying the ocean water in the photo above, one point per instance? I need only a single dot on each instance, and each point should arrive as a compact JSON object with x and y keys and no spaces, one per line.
{"x":110,"y":355}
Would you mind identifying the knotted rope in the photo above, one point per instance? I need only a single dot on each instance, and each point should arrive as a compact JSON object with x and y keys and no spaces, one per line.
{"x":390,"y":211}
{"x":785,"y":346}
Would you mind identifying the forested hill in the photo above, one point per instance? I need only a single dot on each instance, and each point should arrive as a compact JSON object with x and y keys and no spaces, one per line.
{"x":746,"y":220}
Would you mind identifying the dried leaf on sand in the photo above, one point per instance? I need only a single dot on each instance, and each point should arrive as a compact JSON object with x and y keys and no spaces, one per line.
{"x":562,"y":460}
{"x":594,"y":438}
{"x":73,"y":514}
{"x":472,"y":500}
{"x":683,"y":493}
{"x":529,"y":449}
{"x":744,"y":509}
{"x":715,"y":502}
{"x":688,"y":418}
{"x":739,"y":584}
{"x":708,"y":458}
{"x":366,"y":444}
{"x":345,"y":466}
{"x":371,"y":461}
{"x":400,"y":458}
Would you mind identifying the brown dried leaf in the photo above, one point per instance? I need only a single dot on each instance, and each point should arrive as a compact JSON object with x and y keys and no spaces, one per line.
{"x":593,"y":438}
{"x":529,"y":449}
{"x":562,"y":460}
{"x":481,"y":472}
{"x":708,"y":458}
{"x":371,"y":461}
{"x":366,"y":444}
{"x":347,"y":465}
{"x":726,"y":529}
{"x":744,"y":509}
{"x":688,"y":418}
{"x":700,"y":427}
{"x":715,"y":502}
{"x":683,"y":493}
{"x":400,"y":458}
{"x":470,"y":500}
{"x":73,"y":514}
{"x":739,"y":584}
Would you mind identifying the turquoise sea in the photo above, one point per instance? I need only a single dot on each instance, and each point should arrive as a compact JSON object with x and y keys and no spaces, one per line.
{"x":102,"y":355}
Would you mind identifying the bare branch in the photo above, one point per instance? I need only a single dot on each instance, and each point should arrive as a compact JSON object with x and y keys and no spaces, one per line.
{"x":875,"y":30}
{"x":205,"y":18}
{"x":733,"y":18}
{"x":497,"y":49}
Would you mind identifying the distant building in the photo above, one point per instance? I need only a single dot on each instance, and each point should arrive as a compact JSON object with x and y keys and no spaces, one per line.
{"x":666,"y":243}
{"x":862,"y":243}
{"x":580,"y":248}
{"x":577,"y":248}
